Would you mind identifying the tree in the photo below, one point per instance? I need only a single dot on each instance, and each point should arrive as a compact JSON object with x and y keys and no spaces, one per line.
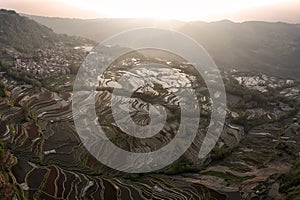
{"x":3,"y":89}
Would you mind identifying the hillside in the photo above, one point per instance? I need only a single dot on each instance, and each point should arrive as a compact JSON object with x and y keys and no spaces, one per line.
{"x":24,"y":35}
{"x":260,"y":46}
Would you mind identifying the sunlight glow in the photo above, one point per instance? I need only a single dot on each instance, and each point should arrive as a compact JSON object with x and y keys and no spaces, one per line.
{"x":187,"y":10}
{"x":169,"y":9}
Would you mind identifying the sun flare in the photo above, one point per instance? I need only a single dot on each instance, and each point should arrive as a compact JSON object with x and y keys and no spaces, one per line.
{"x":169,"y":9}
{"x":188,"y":10}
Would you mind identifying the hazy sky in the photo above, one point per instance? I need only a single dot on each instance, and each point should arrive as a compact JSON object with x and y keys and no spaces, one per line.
{"x":209,"y":10}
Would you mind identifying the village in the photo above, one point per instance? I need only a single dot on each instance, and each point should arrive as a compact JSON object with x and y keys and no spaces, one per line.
{"x":47,"y":62}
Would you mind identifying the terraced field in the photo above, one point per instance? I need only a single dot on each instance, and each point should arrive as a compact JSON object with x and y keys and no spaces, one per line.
{"x":52,"y":163}
{"x":49,"y":161}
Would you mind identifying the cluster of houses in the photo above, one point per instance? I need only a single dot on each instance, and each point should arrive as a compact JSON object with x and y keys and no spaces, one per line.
{"x":51,"y":62}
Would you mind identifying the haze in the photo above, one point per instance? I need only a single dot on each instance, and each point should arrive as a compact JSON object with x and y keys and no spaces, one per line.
{"x":213,"y":10}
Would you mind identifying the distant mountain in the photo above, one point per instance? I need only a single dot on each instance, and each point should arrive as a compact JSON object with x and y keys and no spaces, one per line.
{"x":260,"y":46}
{"x":25,"y":35}
{"x":100,"y":29}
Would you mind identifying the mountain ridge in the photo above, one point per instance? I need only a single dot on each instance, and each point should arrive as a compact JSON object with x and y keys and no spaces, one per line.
{"x":23,"y":35}
{"x":268,"y":47}
{"x":272,"y":47}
